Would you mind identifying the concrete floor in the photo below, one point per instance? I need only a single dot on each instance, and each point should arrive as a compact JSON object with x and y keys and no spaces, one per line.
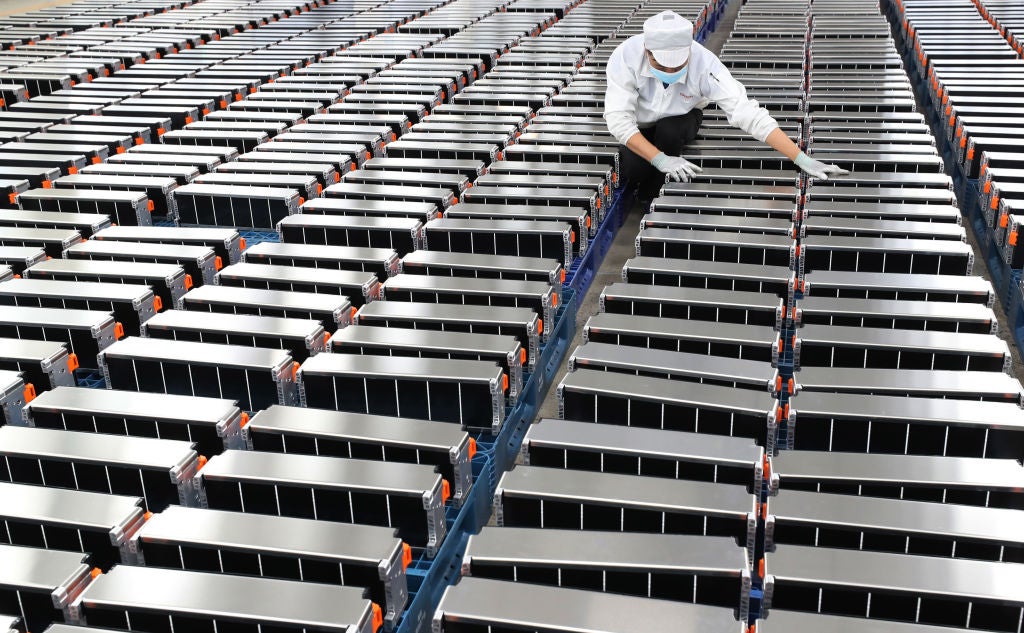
{"x":623,"y":247}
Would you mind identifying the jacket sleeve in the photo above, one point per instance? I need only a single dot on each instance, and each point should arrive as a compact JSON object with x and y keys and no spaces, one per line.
{"x":620,"y":98}
{"x":730,"y":95}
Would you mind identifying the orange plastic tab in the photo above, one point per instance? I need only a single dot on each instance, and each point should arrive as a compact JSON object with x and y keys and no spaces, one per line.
{"x":302,"y":200}
{"x":1012,"y":238}
{"x":29,"y":392}
{"x":96,"y":160}
{"x":970,"y":154}
{"x":140,"y":141}
{"x":378,"y":616}
{"x":202,"y":462}
{"x":241,"y":243}
{"x":472,"y":448}
{"x":778,"y":383}
{"x":764,"y":510}
{"x":540,"y":326}
{"x":760,"y":568}
{"x":188,"y":282}
{"x":504,"y":382}
{"x":147,"y":516}
{"x":72,"y":361}
{"x":96,"y":572}
{"x":752,"y":628}
{"x":995,"y":202}
{"x":522,"y":356}
{"x":353,"y":167}
{"x":572,"y":236}
{"x":791,"y":385}
{"x":963,"y":141}
{"x":563,"y":275}
{"x":223,"y":104}
{"x":206,"y":111}
{"x":446,"y":491}
{"x":406,"y":555}
{"x":13,"y":198}
{"x":245,"y":420}
{"x":218,"y":263}
{"x":554,"y":300}
{"x":158,"y":303}
{"x":47,"y":184}
{"x":988,"y":187}
{"x":160,"y":131}
{"x":188,"y":120}
{"x":118,"y":331}
{"x":151,"y":206}
{"x":319,"y":189}
{"x":588,"y":219}
{"x":295,"y":369}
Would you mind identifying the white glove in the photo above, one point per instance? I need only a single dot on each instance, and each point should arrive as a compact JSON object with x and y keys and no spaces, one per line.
{"x":676,"y":168}
{"x":816,"y":168}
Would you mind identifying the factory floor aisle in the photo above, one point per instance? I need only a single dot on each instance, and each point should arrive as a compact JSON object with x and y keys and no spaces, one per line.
{"x":624,"y":245}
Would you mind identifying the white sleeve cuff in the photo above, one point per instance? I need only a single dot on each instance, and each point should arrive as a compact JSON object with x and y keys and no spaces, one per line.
{"x":622,"y":125}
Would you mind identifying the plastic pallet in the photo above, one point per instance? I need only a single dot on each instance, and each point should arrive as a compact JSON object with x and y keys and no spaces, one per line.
{"x":582,"y":272}
{"x":428,"y":578}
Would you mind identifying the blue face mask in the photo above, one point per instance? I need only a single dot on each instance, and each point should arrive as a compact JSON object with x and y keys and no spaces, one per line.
{"x":669,"y":78}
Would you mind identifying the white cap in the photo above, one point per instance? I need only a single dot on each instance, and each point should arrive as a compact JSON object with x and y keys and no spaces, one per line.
{"x":668,"y":36}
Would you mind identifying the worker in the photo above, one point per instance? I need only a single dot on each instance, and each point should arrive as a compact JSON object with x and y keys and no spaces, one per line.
{"x":658,"y":83}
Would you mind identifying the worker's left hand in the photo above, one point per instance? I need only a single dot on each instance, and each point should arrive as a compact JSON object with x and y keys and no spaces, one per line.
{"x":816,"y":168}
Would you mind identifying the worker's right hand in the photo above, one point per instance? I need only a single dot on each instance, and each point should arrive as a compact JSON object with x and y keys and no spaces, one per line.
{"x":676,"y":168}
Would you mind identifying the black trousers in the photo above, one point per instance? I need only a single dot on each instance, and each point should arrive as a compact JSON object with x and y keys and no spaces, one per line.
{"x":670,"y":135}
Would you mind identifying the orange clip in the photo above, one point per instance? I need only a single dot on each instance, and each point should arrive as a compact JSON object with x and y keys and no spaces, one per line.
{"x":160,"y":131}
{"x":147,"y":516}
{"x":760,"y":568}
{"x":205,"y":112}
{"x":95,"y":573}
{"x":970,"y":154}
{"x":72,"y":361}
{"x":118,"y":331}
{"x":202,"y":462}
{"x":241,"y":243}
{"x":406,"y":555}
{"x":1012,"y":238}
{"x":472,"y":448}
{"x":446,"y":491}
{"x":245,"y":420}
{"x":327,"y":340}
{"x":504,"y":382}
{"x":29,"y":392}
{"x":96,"y":160}
{"x":522,"y":356}
{"x":302,"y":200}
{"x":778,"y":383}
{"x":563,"y":275}
{"x":988,"y":187}
{"x":295,"y":369}
{"x":218,"y":263}
{"x":150,"y":206}
{"x":378,"y":617}
{"x":764,"y":510}
{"x":995,"y":203}
{"x":540,"y":326}
{"x":319,"y":189}
{"x":47,"y":184}
{"x":223,"y":104}
{"x":13,"y":198}
{"x":188,"y":120}
{"x":158,"y":303}
{"x":188,"y":282}
{"x":140,"y":141}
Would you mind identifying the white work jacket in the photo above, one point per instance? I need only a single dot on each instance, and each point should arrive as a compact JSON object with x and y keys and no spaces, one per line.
{"x":636,"y":99}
